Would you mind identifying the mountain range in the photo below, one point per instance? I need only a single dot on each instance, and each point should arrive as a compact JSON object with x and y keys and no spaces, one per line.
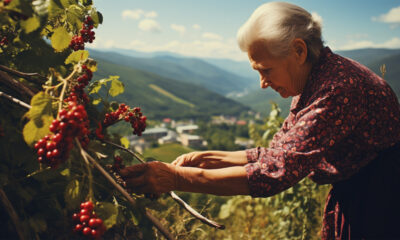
{"x":171,"y":84}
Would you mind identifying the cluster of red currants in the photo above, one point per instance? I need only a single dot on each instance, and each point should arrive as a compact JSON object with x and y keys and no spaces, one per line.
{"x":134,"y":116}
{"x":77,"y":91}
{"x":87,"y":222}
{"x":54,"y":148}
{"x":86,"y":34}
{"x":6,"y":2}
{"x":118,"y":163}
{"x":4,"y":41}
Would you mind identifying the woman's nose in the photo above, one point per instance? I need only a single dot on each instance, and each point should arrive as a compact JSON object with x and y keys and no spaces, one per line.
{"x":264,"y":83}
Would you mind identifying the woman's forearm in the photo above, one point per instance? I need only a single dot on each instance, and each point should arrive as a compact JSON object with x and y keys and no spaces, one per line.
{"x":226,"y":158}
{"x":224,"y":181}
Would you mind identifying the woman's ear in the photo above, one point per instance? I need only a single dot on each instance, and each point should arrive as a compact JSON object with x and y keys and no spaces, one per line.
{"x":299,"y":48}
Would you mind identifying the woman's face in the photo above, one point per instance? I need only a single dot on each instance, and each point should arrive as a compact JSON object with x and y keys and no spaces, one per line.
{"x":279,"y":73}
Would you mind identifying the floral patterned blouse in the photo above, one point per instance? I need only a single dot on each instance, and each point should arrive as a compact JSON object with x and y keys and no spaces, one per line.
{"x":345,"y":115}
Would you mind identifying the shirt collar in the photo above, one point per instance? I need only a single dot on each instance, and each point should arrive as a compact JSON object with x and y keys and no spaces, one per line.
{"x":312,"y":81}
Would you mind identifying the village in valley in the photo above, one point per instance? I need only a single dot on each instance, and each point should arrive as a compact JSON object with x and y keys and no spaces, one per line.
{"x":184,"y":133}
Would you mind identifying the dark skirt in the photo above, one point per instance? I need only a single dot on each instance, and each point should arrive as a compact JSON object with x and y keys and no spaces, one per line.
{"x":366,"y":206}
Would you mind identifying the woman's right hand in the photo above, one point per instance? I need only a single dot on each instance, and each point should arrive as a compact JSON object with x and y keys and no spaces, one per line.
{"x":211,"y":159}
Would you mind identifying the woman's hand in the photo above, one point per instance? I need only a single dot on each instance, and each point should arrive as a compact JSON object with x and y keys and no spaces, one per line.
{"x":211,"y":159}
{"x":153,"y":177}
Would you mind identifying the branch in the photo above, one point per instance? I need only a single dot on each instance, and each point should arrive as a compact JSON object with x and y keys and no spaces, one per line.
{"x":14,"y":84}
{"x":172,"y":194}
{"x":29,"y":76}
{"x":13,"y":214}
{"x":15,"y":100}
{"x":154,"y":220}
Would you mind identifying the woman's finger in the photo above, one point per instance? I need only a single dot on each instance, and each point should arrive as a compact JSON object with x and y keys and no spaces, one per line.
{"x":133,"y":171}
{"x":135,"y":183}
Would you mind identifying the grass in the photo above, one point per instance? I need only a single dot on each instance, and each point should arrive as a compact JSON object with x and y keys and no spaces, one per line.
{"x":167,"y":152}
{"x":170,"y":95}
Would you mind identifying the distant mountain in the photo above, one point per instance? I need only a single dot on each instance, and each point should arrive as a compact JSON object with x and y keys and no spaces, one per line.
{"x":368,"y":56}
{"x":392,"y":75}
{"x":161,"y":97}
{"x":190,"y":70}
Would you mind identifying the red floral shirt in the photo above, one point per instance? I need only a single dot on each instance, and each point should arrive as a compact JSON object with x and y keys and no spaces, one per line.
{"x":345,"y":115}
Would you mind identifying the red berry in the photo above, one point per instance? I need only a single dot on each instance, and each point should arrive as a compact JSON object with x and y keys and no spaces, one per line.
{"x":89,"y":206}
{"x":84,"y":212}
{"x":75,"y":217}
{"x":84,"y":218}
{"x":87,"y":231}
{"x":78,"y":227}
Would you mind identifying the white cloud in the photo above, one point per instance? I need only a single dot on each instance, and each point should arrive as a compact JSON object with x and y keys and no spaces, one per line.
{"x":199,"y":48}
{"x":211,"y":36}
{"x":196,"y":26}
{"x":133,"y":14}
{"x":151,"y":14}
{"x":393,"y":16}
{"x":179,"y":28}
{"x":149,"y":25}
{"x":138,"y":13}
{"x":392,"y":43}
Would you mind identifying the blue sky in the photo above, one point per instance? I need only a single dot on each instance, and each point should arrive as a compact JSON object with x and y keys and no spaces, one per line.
{"x":207,"y":28}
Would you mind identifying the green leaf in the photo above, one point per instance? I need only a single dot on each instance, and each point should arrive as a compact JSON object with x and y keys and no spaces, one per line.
{"x":96,"y":101}
{"x":117,"y":87}
{"x":77,"y":56}
{"x":31,"y":24}
{"x":40,"y":105}
{"x":108,"y":212}
{"x":72,"y":194}
{"x":60,"y":39}
{"x":96,"y":16}
{"x":67,"y":3}
{"x":66,"y":172}
{"x":124,"y":142}
{"x":74,"y":16}
{"x":36,"y":129}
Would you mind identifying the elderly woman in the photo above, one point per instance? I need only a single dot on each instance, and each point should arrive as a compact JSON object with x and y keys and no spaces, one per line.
{"x":343,"y":129}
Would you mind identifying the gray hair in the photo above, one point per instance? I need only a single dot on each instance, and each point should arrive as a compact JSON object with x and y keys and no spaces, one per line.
{"x":278,"y":23}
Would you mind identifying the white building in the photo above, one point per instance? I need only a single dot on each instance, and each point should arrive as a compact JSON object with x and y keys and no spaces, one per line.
{"x":187,"y":129}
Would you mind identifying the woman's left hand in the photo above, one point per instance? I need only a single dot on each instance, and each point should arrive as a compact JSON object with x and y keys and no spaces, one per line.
{"x":153,"y":177}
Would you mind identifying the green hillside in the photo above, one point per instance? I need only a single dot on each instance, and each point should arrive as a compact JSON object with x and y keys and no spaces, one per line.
{"x":184,"y":100}
{"x":188,"y":70}
{"x":167,"y":152}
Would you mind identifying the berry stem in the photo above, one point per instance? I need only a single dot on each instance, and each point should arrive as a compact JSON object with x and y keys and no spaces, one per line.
{"x":87,"y":163}
{"x":132,"y":201}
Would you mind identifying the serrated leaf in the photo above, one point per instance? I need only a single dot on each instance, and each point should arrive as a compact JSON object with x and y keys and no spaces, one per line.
{"x":31,"y":24}
{"x":77,"y":56}
{"x":36,"y":129}
{"x":108,"y":212}
{"x":117,"y":87}
{"x":72,"y":194}
{"x":74,"y":16}
{"x":124,"y":142}
{"x":60,"y":39}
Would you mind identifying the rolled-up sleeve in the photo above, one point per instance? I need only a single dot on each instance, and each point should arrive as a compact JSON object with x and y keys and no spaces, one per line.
{"x":316,"y":129}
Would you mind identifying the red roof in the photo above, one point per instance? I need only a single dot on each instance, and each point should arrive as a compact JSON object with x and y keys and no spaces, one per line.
{"x":241,"y":122}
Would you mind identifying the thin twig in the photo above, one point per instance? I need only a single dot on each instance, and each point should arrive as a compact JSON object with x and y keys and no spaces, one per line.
{"x":13,"y":214}
{"x":15,"y":100}
{"x":173,"y":194}
{"x":29,"y":76}
{"x":154,"y":220}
